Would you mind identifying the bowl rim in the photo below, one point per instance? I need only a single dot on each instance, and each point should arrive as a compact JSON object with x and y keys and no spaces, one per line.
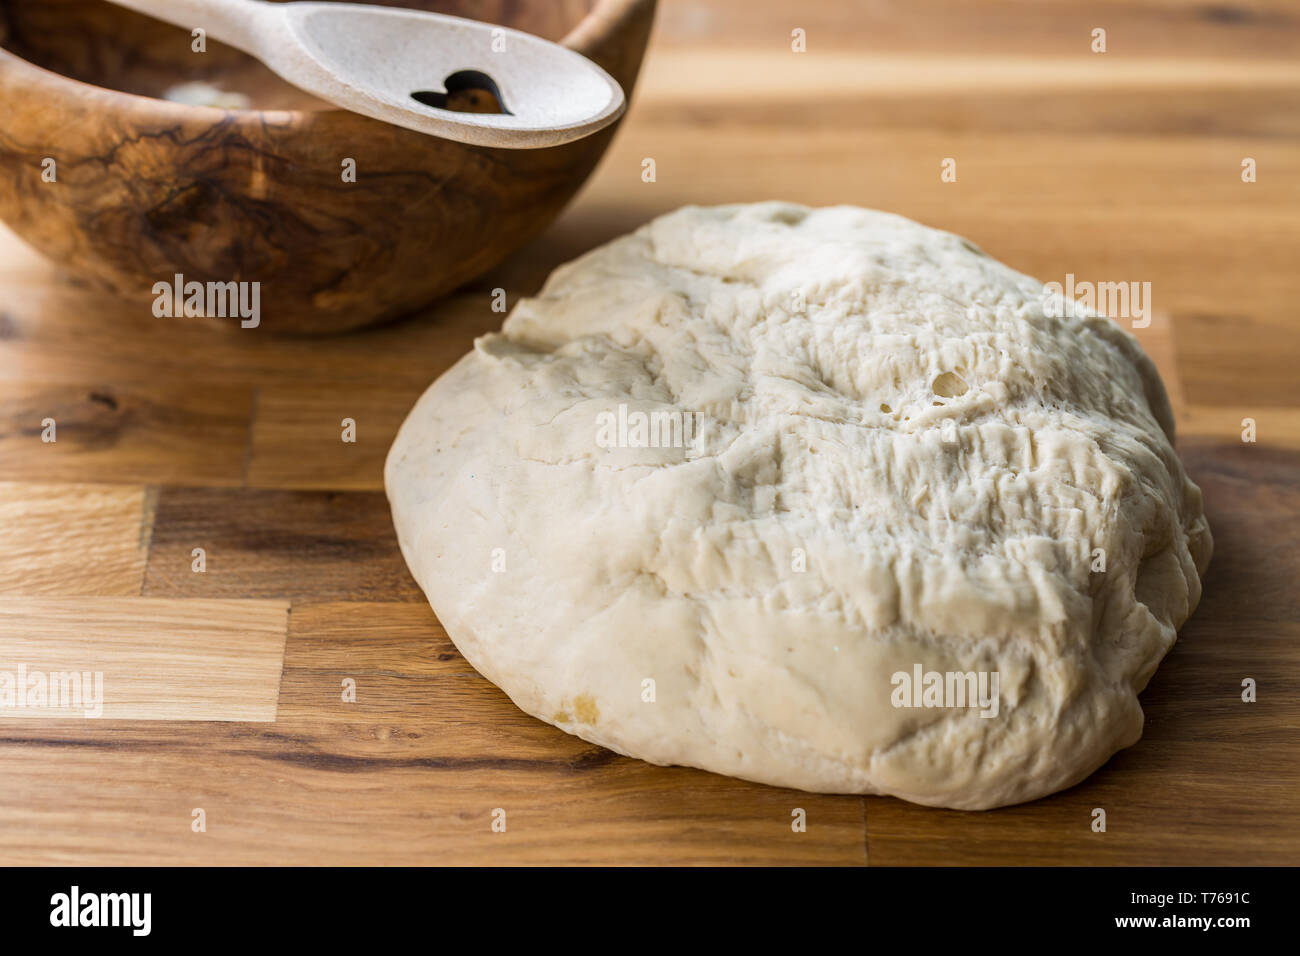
{"x":605,"y":19}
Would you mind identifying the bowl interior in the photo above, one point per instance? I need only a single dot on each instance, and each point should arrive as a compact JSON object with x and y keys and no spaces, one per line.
{"x":99,"y":43}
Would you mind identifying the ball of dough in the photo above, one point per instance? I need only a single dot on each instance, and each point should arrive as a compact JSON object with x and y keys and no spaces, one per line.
{"x":732,"y":490}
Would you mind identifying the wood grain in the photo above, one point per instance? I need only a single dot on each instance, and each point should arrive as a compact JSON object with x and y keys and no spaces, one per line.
{"x":270,"y":544}
{"x":298,"y":439}
{"x":1173,"y":28}
{"x":73,"y":539}
{"x":152,"y":659}
{"x":1123,"y":167}
{"x":135,"y":434}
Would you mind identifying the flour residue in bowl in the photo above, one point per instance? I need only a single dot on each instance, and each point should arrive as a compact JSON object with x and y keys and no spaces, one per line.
{"x":205,"y":94}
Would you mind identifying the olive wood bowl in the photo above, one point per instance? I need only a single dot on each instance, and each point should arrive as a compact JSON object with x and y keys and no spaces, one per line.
{"x":144,"y":188}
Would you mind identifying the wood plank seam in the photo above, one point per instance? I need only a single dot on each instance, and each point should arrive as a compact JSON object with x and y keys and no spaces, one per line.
{"x":252,"y":426}
{"x":149,"y":509}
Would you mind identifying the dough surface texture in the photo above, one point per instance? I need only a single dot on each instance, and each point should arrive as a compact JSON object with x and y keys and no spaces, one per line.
{"x":900,"y":462}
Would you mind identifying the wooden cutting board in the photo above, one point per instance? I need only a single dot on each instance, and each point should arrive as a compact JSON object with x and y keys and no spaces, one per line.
{"x":224,"y":689}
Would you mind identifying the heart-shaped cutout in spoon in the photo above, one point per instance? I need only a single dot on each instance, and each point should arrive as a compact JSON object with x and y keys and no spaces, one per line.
{"x":465,"y":91}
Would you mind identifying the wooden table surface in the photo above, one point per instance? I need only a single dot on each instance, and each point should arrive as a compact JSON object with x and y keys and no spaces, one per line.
{"x":225,"y":688}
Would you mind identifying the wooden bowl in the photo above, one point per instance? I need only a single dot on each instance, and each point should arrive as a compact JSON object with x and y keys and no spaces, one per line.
{"x":146,"y":188}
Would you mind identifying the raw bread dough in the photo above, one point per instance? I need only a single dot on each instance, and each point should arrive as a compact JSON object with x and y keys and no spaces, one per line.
{"x":899,"y":459}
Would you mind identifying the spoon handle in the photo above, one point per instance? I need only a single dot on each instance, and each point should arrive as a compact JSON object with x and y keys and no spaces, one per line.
{"x":233,"y":22}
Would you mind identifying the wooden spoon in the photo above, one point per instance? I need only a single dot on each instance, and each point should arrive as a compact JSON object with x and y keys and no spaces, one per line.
{"x":426,"y":71}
